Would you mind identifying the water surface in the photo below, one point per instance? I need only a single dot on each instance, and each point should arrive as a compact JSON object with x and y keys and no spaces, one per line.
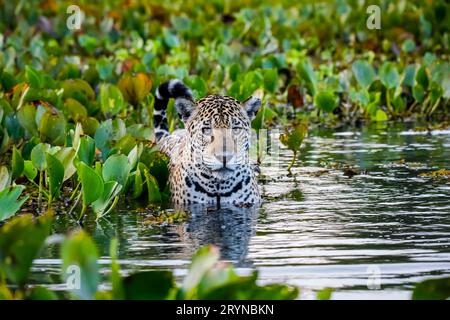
{"x":317,"y":228}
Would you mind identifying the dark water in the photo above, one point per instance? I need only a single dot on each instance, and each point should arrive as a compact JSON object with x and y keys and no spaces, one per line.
{"x":369,"y":236}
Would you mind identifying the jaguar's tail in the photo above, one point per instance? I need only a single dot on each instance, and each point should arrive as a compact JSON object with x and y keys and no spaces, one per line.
{"x":170,"y":89}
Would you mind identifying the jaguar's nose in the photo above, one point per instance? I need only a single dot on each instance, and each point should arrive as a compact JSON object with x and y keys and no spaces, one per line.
{"x":224,"y":158}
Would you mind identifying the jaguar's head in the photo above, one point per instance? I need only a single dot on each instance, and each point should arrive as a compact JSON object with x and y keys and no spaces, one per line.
{"x":218,"y":129}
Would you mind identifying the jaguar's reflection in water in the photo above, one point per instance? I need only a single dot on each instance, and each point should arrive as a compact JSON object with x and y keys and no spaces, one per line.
{"x":229,"y":228}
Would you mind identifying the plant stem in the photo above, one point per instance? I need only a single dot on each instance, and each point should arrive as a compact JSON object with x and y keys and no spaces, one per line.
{"x":40,"y":190}
{"x":74,"y":191}
{"x":294,"y":157}
{"x":83,"y":210}
{"x":116,"y":199}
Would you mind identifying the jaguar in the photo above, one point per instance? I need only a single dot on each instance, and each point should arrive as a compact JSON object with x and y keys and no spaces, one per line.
{"x":209,"y":157}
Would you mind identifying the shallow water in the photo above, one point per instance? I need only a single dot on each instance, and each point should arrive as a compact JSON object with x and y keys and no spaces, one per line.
{"x":319,"y":228}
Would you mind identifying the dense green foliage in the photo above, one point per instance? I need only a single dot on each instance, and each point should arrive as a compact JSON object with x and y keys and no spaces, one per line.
{"x":76,"y":105}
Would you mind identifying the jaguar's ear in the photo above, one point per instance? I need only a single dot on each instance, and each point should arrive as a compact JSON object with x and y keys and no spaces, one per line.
{"x":185,"y":108}
{"x":253,"y":103}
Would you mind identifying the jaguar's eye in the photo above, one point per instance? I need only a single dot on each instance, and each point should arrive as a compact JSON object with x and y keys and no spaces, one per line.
{"x":207,"y":131}
{"x":237,"y":130}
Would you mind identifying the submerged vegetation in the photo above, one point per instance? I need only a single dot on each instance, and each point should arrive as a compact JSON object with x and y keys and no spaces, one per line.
{"x":76,"y":106}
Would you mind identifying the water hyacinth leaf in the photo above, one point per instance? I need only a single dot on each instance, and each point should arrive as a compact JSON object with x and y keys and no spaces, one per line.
{"x":41,"y":293}
{"x":116,"y":168}
{"x":9,"y":201}
{"x":197,"y":85}
{"x":17,"y":163}
{"x":66,"y":157}
{"x":364,"y":73}
{"x":79,"y":256}
{"x":202,"y":261}
{"x":409,"y":75}
{"x":53,"y":128}
{"x":34,"y":78}
{"x":107,"y":132}
{"x":418,"y":93}
{"x":38,"y":156}
{"x":110,"y":191}
{"x":422,"y":77}
{"x":55,"y":172}
{"x":5,"y":177}
{"x":408,"y":46}
{"x":26,"y":116}
{"x":105,"y":69}
{"x":380,"y":115}
{"x":137,"y":183}
{"x":86,"y":150}
{"x":154,"y":195}
{"x":432,"y":289}
{"x":29,"y":170}
{"x":74,"y":110}
{"x":91,"y":182}
{"x":271,"y":79}
{"x":20,"y":242}
{"x":325,"y":100}
{"x":307,"y":74}
{"x":389,"y":75}
{"x":111,"y":99}
{"x":78,"y":89}
{"x":136,"y":285}
{"x":135,"y":88}
{"x":293,"y":137}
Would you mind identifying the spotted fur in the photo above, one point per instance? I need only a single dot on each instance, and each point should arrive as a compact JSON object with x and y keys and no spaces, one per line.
{"x":209,"y":159}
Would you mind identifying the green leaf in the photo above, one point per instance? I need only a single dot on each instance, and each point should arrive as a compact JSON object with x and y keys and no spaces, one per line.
{"x":5,"y":177}
{"x":9,"y":203}
{"x":111,"y":99}
{"x":307,"y":74}
{"x":66,"y":157}
{"x":389,"y":75}
{"x":38,"y":156}
{"x":79,"y":255}
{"x":325,"y":100}
{"x":91,"y":182}
{"x":202,"y":261}
{"x":29,"y":170}
{"x":324,"y":294}
{"x":41,"y":293}
{"x":116,"y":168}
{"x":422,"y":77}
{"x":17,"y":163}
{"x":55,"y":172}
{"x":154,"y":195}
{"x":111,"y":190}
{"x":364,"y":73}
{"x":271,"y":79}
{"x":53,"y":128}
{"x":380,"y":115}
{"x":33,"y":77}
{"x":293,"y":137}
{"x":433,"y":289}
{"x":86,"y":150}
{"x":150,"y":285}
{"x":20,"y":242}
{"x":27,"y":118}
{"x":408,"y":46}
{"x":418,"y":93}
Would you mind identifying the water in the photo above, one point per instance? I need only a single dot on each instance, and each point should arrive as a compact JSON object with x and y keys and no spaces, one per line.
{"x":318,"y":228}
